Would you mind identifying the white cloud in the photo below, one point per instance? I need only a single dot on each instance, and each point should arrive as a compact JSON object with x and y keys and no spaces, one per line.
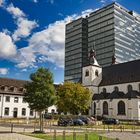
{"x":48,"y":44}
{"x":2,"y":2}
{"x":3,"y":71}
{"x":104,"y":2}
{"x":35,"y":1}
{"x":24,"y":29}
{"x":24,"y":70}
{"x":25,"y":58}
{"x":24,"y":26}
{"x":7,"y":47}
{"x":15,"y":11}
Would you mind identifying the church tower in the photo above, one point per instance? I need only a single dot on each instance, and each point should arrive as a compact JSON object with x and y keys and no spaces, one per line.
{"x":92,"y":76}
{"x":92,"y":73}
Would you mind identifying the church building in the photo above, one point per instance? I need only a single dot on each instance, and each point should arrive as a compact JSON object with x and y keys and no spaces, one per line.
{"x":115,"y":89}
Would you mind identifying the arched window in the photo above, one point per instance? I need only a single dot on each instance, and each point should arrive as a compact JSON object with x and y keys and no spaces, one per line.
{"x":23,"y":111}
{"x":97,"y":73}
{"x":139,"y":87}
{"x":129,"y":88}
{"x":31,"y":112}
{"x":94,"y":109}
{"x":104,"y":90}
{"x":116,"y":89}
{"x":105,"y":108}
{"x":52,"y":111}
{"x":121,"y":108}
{"x":87,"y":73}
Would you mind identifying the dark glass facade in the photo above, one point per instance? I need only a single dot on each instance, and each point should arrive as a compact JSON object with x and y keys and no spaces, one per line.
{"x":112,"y":31}
{"x":75,"y":49}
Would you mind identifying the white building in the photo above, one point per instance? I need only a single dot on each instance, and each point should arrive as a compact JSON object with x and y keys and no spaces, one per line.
{"x":116,"y":89}
{"x":11,"y":100}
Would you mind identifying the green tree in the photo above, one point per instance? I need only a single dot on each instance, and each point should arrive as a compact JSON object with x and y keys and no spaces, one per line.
{"x":73,"y":98}
{"x":40,"y":92}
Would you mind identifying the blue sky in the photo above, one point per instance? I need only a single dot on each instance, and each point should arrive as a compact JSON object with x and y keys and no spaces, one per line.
{"x":32,"y":33}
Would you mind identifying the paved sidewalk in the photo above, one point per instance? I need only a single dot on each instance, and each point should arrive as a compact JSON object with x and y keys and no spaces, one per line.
{"x":15,"y":136}
{"x":123,"y":135}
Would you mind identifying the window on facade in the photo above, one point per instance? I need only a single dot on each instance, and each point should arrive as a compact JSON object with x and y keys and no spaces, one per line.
{"x":129,"y":88}
{"x":105,"y":108}
{"x":23,"y":111}
{"x":87,"y":73}
{"x":52,"y":111}
{"x":6,"y":111}
{"x":7,"y":99}
{"x":31,"y":112}
{"x":121,"y":108}
{"x":23,"y":100}
{"x":2,"y":88}
{"x":139,"y":87}
{"x":20,"y":89}
{"x":116,"y":89}
{"x":16,"y":100}
{"x":94,"y":110}
{"x":104,"y":90}
{"x":96,"y":73}
{"x":11,"y":89}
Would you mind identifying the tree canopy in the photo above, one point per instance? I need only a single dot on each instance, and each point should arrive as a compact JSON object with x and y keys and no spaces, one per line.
{"x":40,"y":92}
{"x":72,"y":98}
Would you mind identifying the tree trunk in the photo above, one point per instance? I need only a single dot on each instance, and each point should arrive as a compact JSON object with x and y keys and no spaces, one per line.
{"x":40,"y":121}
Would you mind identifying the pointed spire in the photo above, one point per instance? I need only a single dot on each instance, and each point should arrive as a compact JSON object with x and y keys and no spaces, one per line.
{"x":92,"y":59}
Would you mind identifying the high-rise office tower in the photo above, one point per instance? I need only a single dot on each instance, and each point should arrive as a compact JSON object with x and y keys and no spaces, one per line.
{"x":75,"y":49}
{"x":113,"y":32}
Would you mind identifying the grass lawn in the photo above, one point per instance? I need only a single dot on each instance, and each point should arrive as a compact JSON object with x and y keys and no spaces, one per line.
{"x":69,"y":136}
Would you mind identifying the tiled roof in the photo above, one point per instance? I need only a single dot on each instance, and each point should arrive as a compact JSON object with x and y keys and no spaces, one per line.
{"x":12,"y":82}
{"x":8,"y":82}
{"x":121,"y":73}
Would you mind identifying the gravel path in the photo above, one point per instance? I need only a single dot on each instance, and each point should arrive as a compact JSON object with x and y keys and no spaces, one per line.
{"x":123,"y":135}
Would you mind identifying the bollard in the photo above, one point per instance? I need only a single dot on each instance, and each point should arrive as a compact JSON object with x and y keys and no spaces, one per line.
{"x":74,"y":135}
{"x":54,"y":136}
{"x":24,"y":130}
{"x":121,"y":128}
{"x":86,"y":136}
{"x":108,"y":129}
{"x":12,"y":125}
{"x":100,"y":137}
{"x":63,"y":135}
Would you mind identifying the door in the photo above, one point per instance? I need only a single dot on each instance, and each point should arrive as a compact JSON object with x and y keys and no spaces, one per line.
{"x":15,"y":112}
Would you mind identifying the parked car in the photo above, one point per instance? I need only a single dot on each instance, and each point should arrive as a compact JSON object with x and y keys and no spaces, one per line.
{"x":110,"y":121}
{"x":78,"y":122}
{"x":47,"y":116}
{"x":65,"y":121}
{"x":84,"y":119}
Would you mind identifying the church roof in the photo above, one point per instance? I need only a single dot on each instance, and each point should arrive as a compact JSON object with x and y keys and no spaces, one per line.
{"x":132,"y":94}
{"x":100,"y":96}
{"x":116,"y":95}
{"x":121,"y":73}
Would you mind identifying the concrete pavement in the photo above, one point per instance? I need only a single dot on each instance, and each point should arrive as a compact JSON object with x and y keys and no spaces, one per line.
{"x":15,"y":136}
